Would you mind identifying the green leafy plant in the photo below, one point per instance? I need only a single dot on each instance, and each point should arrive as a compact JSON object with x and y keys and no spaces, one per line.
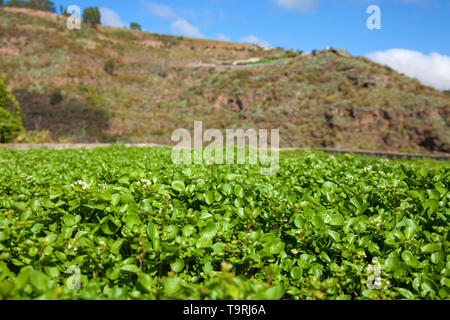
{"x":137,"y":226}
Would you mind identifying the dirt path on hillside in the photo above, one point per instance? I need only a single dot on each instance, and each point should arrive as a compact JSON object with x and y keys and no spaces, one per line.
{"x":235,"y":67}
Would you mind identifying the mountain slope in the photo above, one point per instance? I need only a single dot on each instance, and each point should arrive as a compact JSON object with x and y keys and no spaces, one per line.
{"x":160,"y":83}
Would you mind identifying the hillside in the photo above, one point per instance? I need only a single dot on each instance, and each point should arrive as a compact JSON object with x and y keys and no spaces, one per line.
{"x":160,"y":83}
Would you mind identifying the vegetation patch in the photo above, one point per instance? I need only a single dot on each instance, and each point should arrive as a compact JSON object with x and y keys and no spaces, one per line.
{"x":119,"y":223}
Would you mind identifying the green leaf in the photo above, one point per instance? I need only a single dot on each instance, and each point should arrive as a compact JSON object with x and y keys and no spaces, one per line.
{"x":299,"y":221}
{"x":226,"y":188}
{"x":317,"y":221}
{"x":430,"y":248}
{"x":408,"y":257}
{"x":438,"y":256}
{"x":209,"y":231}
{"x":239,"y":191}
{"x":130,"y":268}
{"x":177,"y":266}
{"x":39,"y":281}
{"x":406,"y":293}
{"x":152,"y":231}
{"x":431,"y":204}
{"x":203,"y":243}
{"x":133,"y":220}
{"x":276,"y":246}
{"x":178,"y":186}
{"x":69,"y":220}
{"x":115,"y":199}
{"x":117,"y":245}
{"x":337,"y":220}
{"x":273,"y":293}
{"x":188,"y":230}
{"x":171,"y":231}
{"x":144,"y":283}
{"x":296,"y":273}
{"x":35,"y":205}
{"x":209,"y":197}
{"x":238,"y":202}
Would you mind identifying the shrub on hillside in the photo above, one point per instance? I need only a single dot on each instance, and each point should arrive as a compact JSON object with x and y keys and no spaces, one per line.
{"x":291,"y":54}
{"x":56,"y":96}
{"x":109,"y":66}
{"x":10,"y":115}
{"x":34,"y":136}
{"x":135,"y":26}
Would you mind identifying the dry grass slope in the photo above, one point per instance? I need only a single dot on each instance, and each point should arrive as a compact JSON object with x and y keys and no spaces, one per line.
{"x":325,"y":99}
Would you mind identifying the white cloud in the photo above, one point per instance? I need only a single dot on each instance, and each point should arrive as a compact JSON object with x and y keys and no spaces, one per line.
{"x":300,"y":5}
{"x":432,"y":69}
{"x":222,"y":37}
{"x":109,"y":17}
{"x":184,"y":28}
{"x":255,"y":40}
{"x":160,"y":10}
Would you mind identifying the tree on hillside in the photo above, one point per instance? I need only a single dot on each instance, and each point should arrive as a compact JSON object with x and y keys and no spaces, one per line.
{"x":63,"y":11}
{"x":1,"y":3}
{"x":91,"y":16}
{"x":44,"y":5}
{"x":135,"y":26}
{"x":15,"y":3}
{"x":10,"y":115}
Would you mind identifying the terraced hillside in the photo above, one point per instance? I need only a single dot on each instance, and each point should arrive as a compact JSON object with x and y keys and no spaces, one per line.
{"x":108,"y":84}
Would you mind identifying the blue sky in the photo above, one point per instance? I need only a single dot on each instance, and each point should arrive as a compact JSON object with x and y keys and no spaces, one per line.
{"x":418,"y":30}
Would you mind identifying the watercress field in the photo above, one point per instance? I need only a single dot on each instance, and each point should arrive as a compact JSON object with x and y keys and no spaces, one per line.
{"x":125,"y":223}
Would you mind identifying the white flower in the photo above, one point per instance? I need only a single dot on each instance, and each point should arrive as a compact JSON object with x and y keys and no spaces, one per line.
{"x":144,"y":183}
{"x":362,"y":254}
{"x":83,"y":185}
{"x":376,"y":221}
{"x":26,"y":177}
